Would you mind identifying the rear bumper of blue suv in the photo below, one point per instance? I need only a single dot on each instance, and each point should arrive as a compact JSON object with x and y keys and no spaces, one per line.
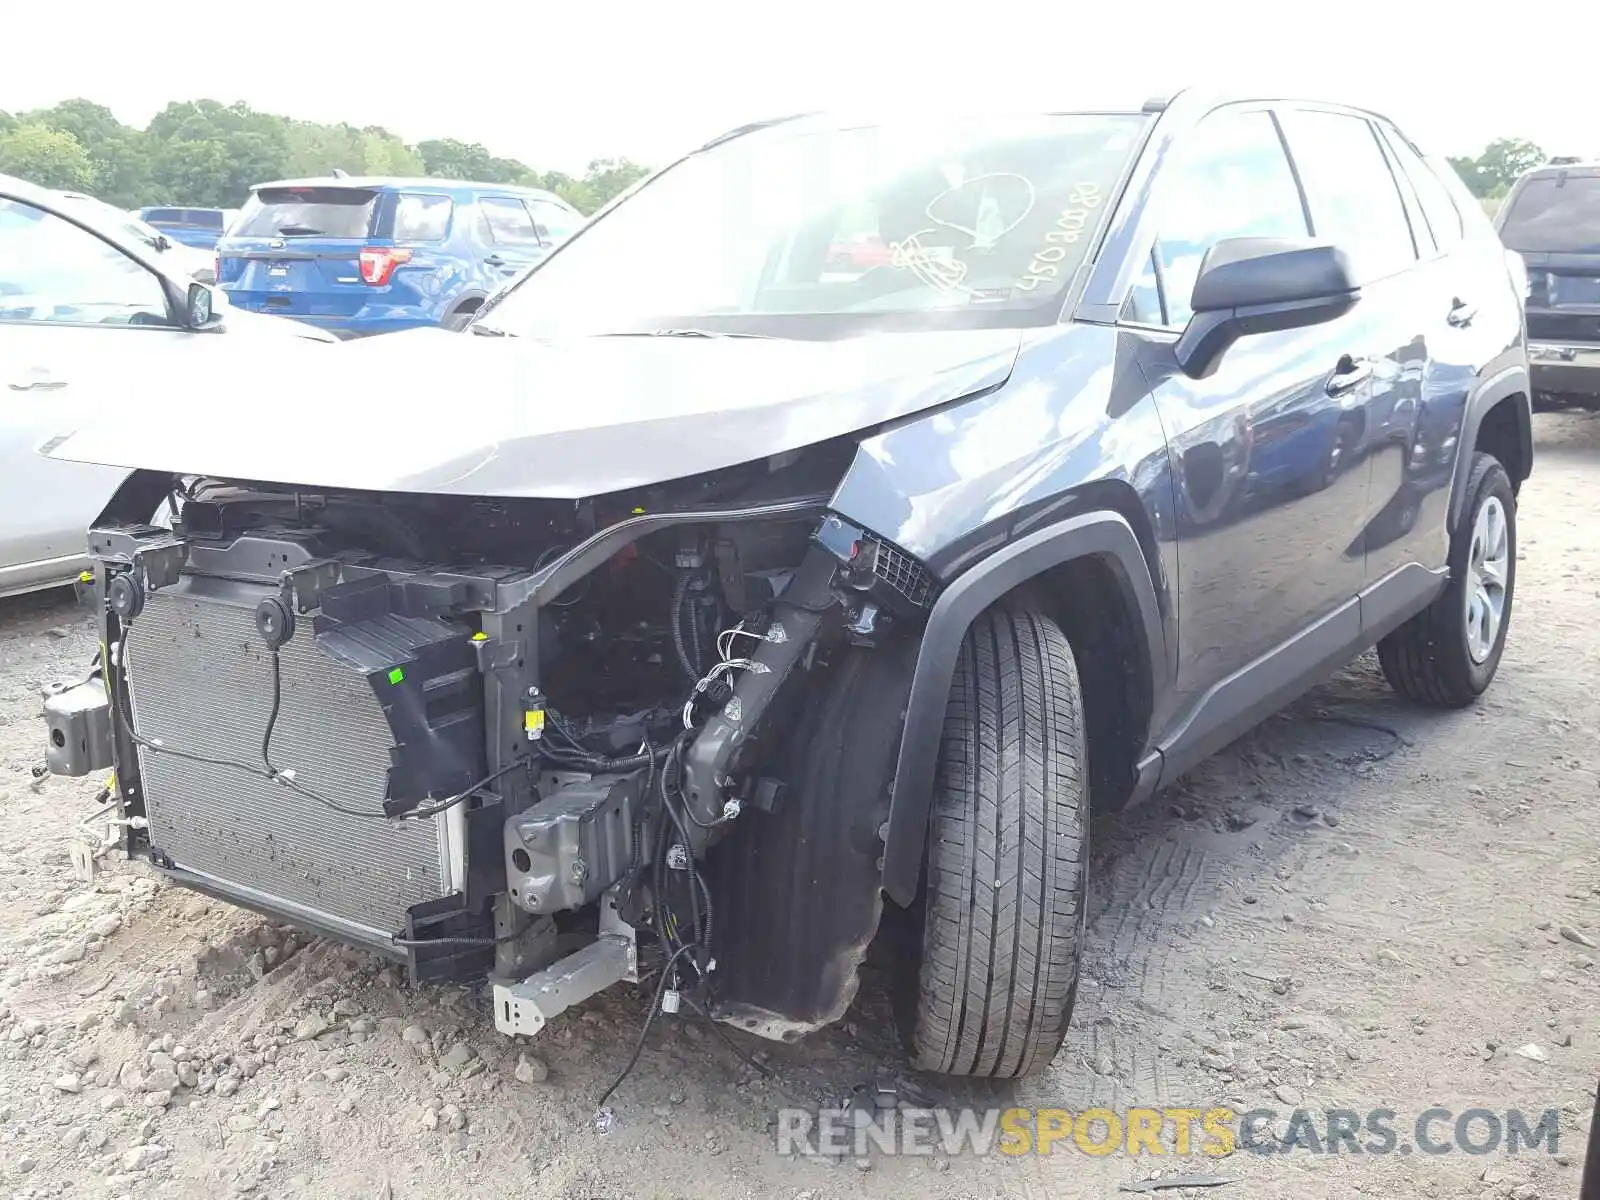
{"x":361,"y":324}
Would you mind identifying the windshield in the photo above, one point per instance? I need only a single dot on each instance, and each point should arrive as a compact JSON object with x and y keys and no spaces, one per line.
{"x":816,"y":226}
{"x":1557,"y":214}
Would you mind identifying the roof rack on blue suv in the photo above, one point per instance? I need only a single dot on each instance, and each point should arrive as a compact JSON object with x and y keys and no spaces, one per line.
{"x":358,"y":255}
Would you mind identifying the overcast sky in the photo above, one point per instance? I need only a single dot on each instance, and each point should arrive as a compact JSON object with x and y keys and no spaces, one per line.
{"x":558,"y":82}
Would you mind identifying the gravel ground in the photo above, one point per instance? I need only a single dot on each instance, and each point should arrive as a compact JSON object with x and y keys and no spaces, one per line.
{"x":1358,"y":905}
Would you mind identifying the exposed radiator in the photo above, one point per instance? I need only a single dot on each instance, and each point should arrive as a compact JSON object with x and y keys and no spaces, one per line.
{"x":200,"y":681}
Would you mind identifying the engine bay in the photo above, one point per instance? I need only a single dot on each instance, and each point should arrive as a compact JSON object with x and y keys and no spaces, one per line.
{"x":473,"y":733}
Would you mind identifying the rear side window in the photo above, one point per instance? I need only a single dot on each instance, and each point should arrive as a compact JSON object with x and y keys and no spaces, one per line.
{"x":1554,"y":214}
{"x":204,"y":218}
{"x":554,"y":222}
{"x":167,"y":216}
{"x":421,"y":218}
{"x":509,"y":222}
{"x":1439,"y":210}
{"x":1228,"y":178}
{"x":307,"y":212}
{"x":1354,"y":198}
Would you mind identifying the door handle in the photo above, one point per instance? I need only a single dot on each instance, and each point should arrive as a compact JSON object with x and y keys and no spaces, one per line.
{"x":494,"y":260}
{"x":1348,"y":375}
{"x":1461,"y":313}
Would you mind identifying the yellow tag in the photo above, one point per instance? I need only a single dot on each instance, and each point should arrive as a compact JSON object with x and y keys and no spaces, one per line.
{"x":638,"y":512}
{"x":480,"y":636}
{"x":85,"y":576}
{"x":533,"y":720}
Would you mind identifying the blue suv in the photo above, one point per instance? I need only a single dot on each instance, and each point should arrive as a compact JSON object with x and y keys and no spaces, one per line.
{"x":357,"y":256}
{"x":197,"y":227}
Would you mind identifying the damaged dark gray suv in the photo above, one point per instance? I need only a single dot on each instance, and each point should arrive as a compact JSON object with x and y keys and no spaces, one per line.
{"x":721,"y":598}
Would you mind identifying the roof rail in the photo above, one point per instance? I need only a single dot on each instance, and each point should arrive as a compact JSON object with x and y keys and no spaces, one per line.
{"x":1156,"y":104}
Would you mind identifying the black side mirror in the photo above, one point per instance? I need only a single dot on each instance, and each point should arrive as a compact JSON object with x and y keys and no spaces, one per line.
{"x":197,"y":306}
{"x":1260,"y":285}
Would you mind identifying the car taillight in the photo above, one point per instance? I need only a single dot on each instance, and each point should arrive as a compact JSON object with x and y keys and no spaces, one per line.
{"x":379,"y":262}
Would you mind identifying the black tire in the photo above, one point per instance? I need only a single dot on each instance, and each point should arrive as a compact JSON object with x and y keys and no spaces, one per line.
{"x":1428,"y":660}
{"x":1003,"y":899}
{"x":459,"y":320}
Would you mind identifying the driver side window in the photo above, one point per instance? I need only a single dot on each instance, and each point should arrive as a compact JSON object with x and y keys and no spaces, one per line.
{"x":1230,"y":177}
{"x":54,"y":271}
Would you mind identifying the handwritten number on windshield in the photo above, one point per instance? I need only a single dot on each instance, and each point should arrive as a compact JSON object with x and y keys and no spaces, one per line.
{"x":1067,"y":230}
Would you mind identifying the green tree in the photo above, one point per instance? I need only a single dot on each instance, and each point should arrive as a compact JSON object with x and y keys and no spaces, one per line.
{"x":1504,"y":159}
{"x":605,"y":179}
{"x":384,"y":154}
{"x":1471,"y":175}
{"x":608,"y":178}
{"x":121,"y":162}
{"x":317,"y":149}
{"x":450,"y":159}
{"x":1492,"y":172}
{"x":204,"y":152}
{"x":209,"y":153}
{"x":46,"y":156}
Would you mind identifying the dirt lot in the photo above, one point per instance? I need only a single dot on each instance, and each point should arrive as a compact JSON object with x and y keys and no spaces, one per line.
{"x":1357,"y":906}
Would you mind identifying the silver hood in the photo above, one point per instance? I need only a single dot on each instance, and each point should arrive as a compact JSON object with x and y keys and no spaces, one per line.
{"x":429,"y":411}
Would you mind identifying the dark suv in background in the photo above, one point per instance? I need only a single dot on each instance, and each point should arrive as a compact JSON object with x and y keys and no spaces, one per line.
{"x":1552,"y":219}
{"x":363,"y":255}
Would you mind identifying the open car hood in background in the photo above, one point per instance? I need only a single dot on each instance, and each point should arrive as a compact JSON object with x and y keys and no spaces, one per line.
{"x":429,"y":411}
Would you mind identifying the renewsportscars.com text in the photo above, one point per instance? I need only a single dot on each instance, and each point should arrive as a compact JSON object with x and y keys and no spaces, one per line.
{"x":1213,"y":1132}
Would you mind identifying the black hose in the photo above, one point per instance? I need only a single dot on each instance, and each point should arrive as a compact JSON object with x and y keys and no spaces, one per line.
{"x":674,"y":760}
{"x":272,"y":717}
{"x":680,"y":592}
{"x":411,"y":943}
{"x":658,"y":885}
{"x":716,"y":1028}
{"x":650,"y":1018}
{"x":696,"y":651}
{"x":705,"y":892}
{"x":598,"y":764}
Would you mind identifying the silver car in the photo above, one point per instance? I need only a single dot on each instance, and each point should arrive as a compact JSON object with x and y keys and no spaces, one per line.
{"x":192,"y":261}
{"x":88,"y":308}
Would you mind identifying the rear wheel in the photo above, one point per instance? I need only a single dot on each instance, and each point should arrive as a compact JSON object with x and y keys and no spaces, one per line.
{"x":459,"y":320}
{"x":1447,"y":654}
{"x":1003,"y":900}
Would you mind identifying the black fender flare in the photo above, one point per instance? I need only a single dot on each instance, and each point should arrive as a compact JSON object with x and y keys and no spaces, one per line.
{"x":1100,"y":533}
{"x":1513,"y":381}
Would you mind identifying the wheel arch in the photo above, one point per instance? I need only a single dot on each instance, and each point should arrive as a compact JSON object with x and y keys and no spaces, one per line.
{"x":1499,"y":420}
{"x":1102,"y":542}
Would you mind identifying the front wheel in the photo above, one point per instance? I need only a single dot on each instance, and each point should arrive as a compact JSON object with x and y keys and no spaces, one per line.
{"x":1447,"y":654}
{"x":1003,"y":903}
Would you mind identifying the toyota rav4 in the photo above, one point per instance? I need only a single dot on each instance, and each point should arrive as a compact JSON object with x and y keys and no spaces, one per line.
{"x":708,"y":607}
